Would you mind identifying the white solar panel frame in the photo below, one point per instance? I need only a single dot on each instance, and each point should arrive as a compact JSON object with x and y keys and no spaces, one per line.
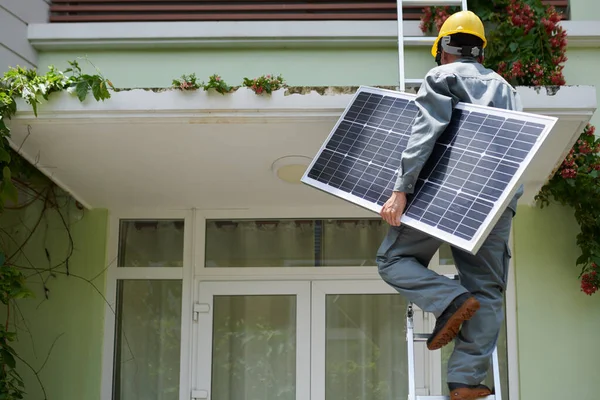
{"x":473,"y":245}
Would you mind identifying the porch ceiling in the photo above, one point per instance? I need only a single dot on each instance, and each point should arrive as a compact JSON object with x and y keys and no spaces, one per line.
{"x":170,"y":149}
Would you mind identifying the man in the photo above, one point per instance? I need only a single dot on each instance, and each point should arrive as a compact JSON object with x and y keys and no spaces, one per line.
{"x":469,"y":311}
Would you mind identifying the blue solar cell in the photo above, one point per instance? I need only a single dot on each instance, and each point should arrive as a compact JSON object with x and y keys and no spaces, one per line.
{"x":468,"y":172}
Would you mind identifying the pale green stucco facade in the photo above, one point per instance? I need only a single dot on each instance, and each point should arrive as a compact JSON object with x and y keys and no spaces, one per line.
{"x":67,"y":328}
{"x":557,"y":324}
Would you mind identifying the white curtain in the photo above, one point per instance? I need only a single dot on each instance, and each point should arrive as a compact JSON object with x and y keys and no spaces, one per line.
{"x":149,"y":340}
{"x":365,"y":348}
{"x":148,"y":325}
{"x":254,"y":348}
{"x":151,"y":243}
{"x":289,"y":243}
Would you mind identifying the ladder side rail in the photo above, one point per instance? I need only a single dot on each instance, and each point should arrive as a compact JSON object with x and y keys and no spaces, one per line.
{"x":496,"y":369}
{"x":400,"y":21}
{"x":412,"y":386}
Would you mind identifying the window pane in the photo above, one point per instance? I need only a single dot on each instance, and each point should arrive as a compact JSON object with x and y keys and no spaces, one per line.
{"x":446,"y":255}
{"x":293,"y":243}
{"x":352,"y":243}
{"x":254,"y":348}
{"x":260,"y":243}
{"x":148,"y":340}
{"x":366,"y":354}
{"x":151,"y":243}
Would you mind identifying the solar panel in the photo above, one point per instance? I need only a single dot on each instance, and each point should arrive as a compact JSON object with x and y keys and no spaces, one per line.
{"x":469,"y":179}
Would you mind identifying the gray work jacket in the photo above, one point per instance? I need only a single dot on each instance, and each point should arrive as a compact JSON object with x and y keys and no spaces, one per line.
{"x":464,"y":80}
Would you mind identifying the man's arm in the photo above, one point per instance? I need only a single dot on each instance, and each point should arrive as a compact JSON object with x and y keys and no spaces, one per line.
{"x":435,"y":103}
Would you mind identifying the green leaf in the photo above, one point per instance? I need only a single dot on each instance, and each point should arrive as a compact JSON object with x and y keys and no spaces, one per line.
{"x":6,"y":175}
{"x":8,"y":358}
{"x":513,"y":47}
{"x":594,"y":173}
{"x":4,"y":156}
{"x":9,"y":191}
{"x":81,"y":89}
{"x":99,"y":90}
{"x":582,"y":259}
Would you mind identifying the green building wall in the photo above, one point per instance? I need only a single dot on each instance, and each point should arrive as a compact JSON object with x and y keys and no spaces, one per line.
{"x":67,"y":328}
{"x":557,"y":324}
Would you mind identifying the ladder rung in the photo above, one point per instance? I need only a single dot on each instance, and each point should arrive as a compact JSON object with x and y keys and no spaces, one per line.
{"x":428,"y":3}
{"x":419,"y":40}
{"x":492,"y":397}
{"x":414,"y":82}
{"x":420,"y":337}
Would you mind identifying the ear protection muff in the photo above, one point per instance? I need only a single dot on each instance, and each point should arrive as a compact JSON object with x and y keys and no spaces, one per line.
{"x":464,"y":51}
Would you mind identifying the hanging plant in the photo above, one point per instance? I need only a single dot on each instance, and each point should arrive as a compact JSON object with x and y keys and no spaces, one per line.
{"x":265,"y":84}
{"x":527,"y":46}
{"x":219,"y":85}
{"x":186,"y":82}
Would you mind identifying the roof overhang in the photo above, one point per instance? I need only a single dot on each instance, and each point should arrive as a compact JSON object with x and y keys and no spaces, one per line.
{"x":173,"y":149}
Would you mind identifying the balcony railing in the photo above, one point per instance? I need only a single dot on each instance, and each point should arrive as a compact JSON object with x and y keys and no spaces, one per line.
{"x":240,"y":10}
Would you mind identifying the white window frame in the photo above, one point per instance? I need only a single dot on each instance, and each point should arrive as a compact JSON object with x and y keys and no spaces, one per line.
{"x":194,"y":272}
{"x":207,"y":291}
{"x":114,"y":274}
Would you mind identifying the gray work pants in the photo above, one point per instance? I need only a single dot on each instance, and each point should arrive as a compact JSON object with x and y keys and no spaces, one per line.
{"x":403,"y":258}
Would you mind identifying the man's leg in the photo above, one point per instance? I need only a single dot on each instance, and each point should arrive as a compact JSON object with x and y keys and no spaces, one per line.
{"x":484,"y":275}
{"x":403,"y":258}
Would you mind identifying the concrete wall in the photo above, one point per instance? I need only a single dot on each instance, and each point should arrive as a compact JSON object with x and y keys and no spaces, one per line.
{"x":15,"y":15}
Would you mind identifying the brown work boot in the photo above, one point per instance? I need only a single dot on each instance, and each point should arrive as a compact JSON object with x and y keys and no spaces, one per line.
{"x":470,"y":393}
{"x":447,"y":325}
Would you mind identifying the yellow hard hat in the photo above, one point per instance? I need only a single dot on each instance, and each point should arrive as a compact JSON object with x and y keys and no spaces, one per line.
{"x":461,"y":22}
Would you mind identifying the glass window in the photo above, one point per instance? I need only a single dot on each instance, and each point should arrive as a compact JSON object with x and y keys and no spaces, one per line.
{"x":254,"y":347}
{"x":365,"y":356}
{"x":151,"y":243}
{"x":293,"y":243}
{"x":446,"y":255}
{"x":148,"y":340}
{"x":352,"y":243}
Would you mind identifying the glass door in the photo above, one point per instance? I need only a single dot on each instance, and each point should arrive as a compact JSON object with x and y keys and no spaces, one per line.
{"x":358,"y":343}
{"x":307,"y":340}
{"x":254,"y":341}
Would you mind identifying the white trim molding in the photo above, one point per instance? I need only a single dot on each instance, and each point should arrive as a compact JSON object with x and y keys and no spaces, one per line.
{"x":246,"y":34}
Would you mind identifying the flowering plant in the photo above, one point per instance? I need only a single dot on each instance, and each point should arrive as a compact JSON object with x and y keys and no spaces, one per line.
{"x":186,"y":82}
{"x":264,"y":84}
{"x":576,"y":184}
{"x":528,"y":49}
{"x":215,"y":82}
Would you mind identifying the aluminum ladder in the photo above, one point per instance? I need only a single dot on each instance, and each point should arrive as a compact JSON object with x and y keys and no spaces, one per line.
{"x":412,"y":337}
{"x":402,"y":81}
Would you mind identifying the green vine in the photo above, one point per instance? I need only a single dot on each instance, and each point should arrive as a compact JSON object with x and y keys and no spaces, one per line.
{"x":30,"y":86}
{"x":527,"y":46}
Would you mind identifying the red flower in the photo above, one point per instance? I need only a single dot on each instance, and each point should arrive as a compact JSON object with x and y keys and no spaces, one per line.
{"x":590,"y":129}
{"x":589,"y":283}
{"x":557,"y":78}
{"x":568,"y":173}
